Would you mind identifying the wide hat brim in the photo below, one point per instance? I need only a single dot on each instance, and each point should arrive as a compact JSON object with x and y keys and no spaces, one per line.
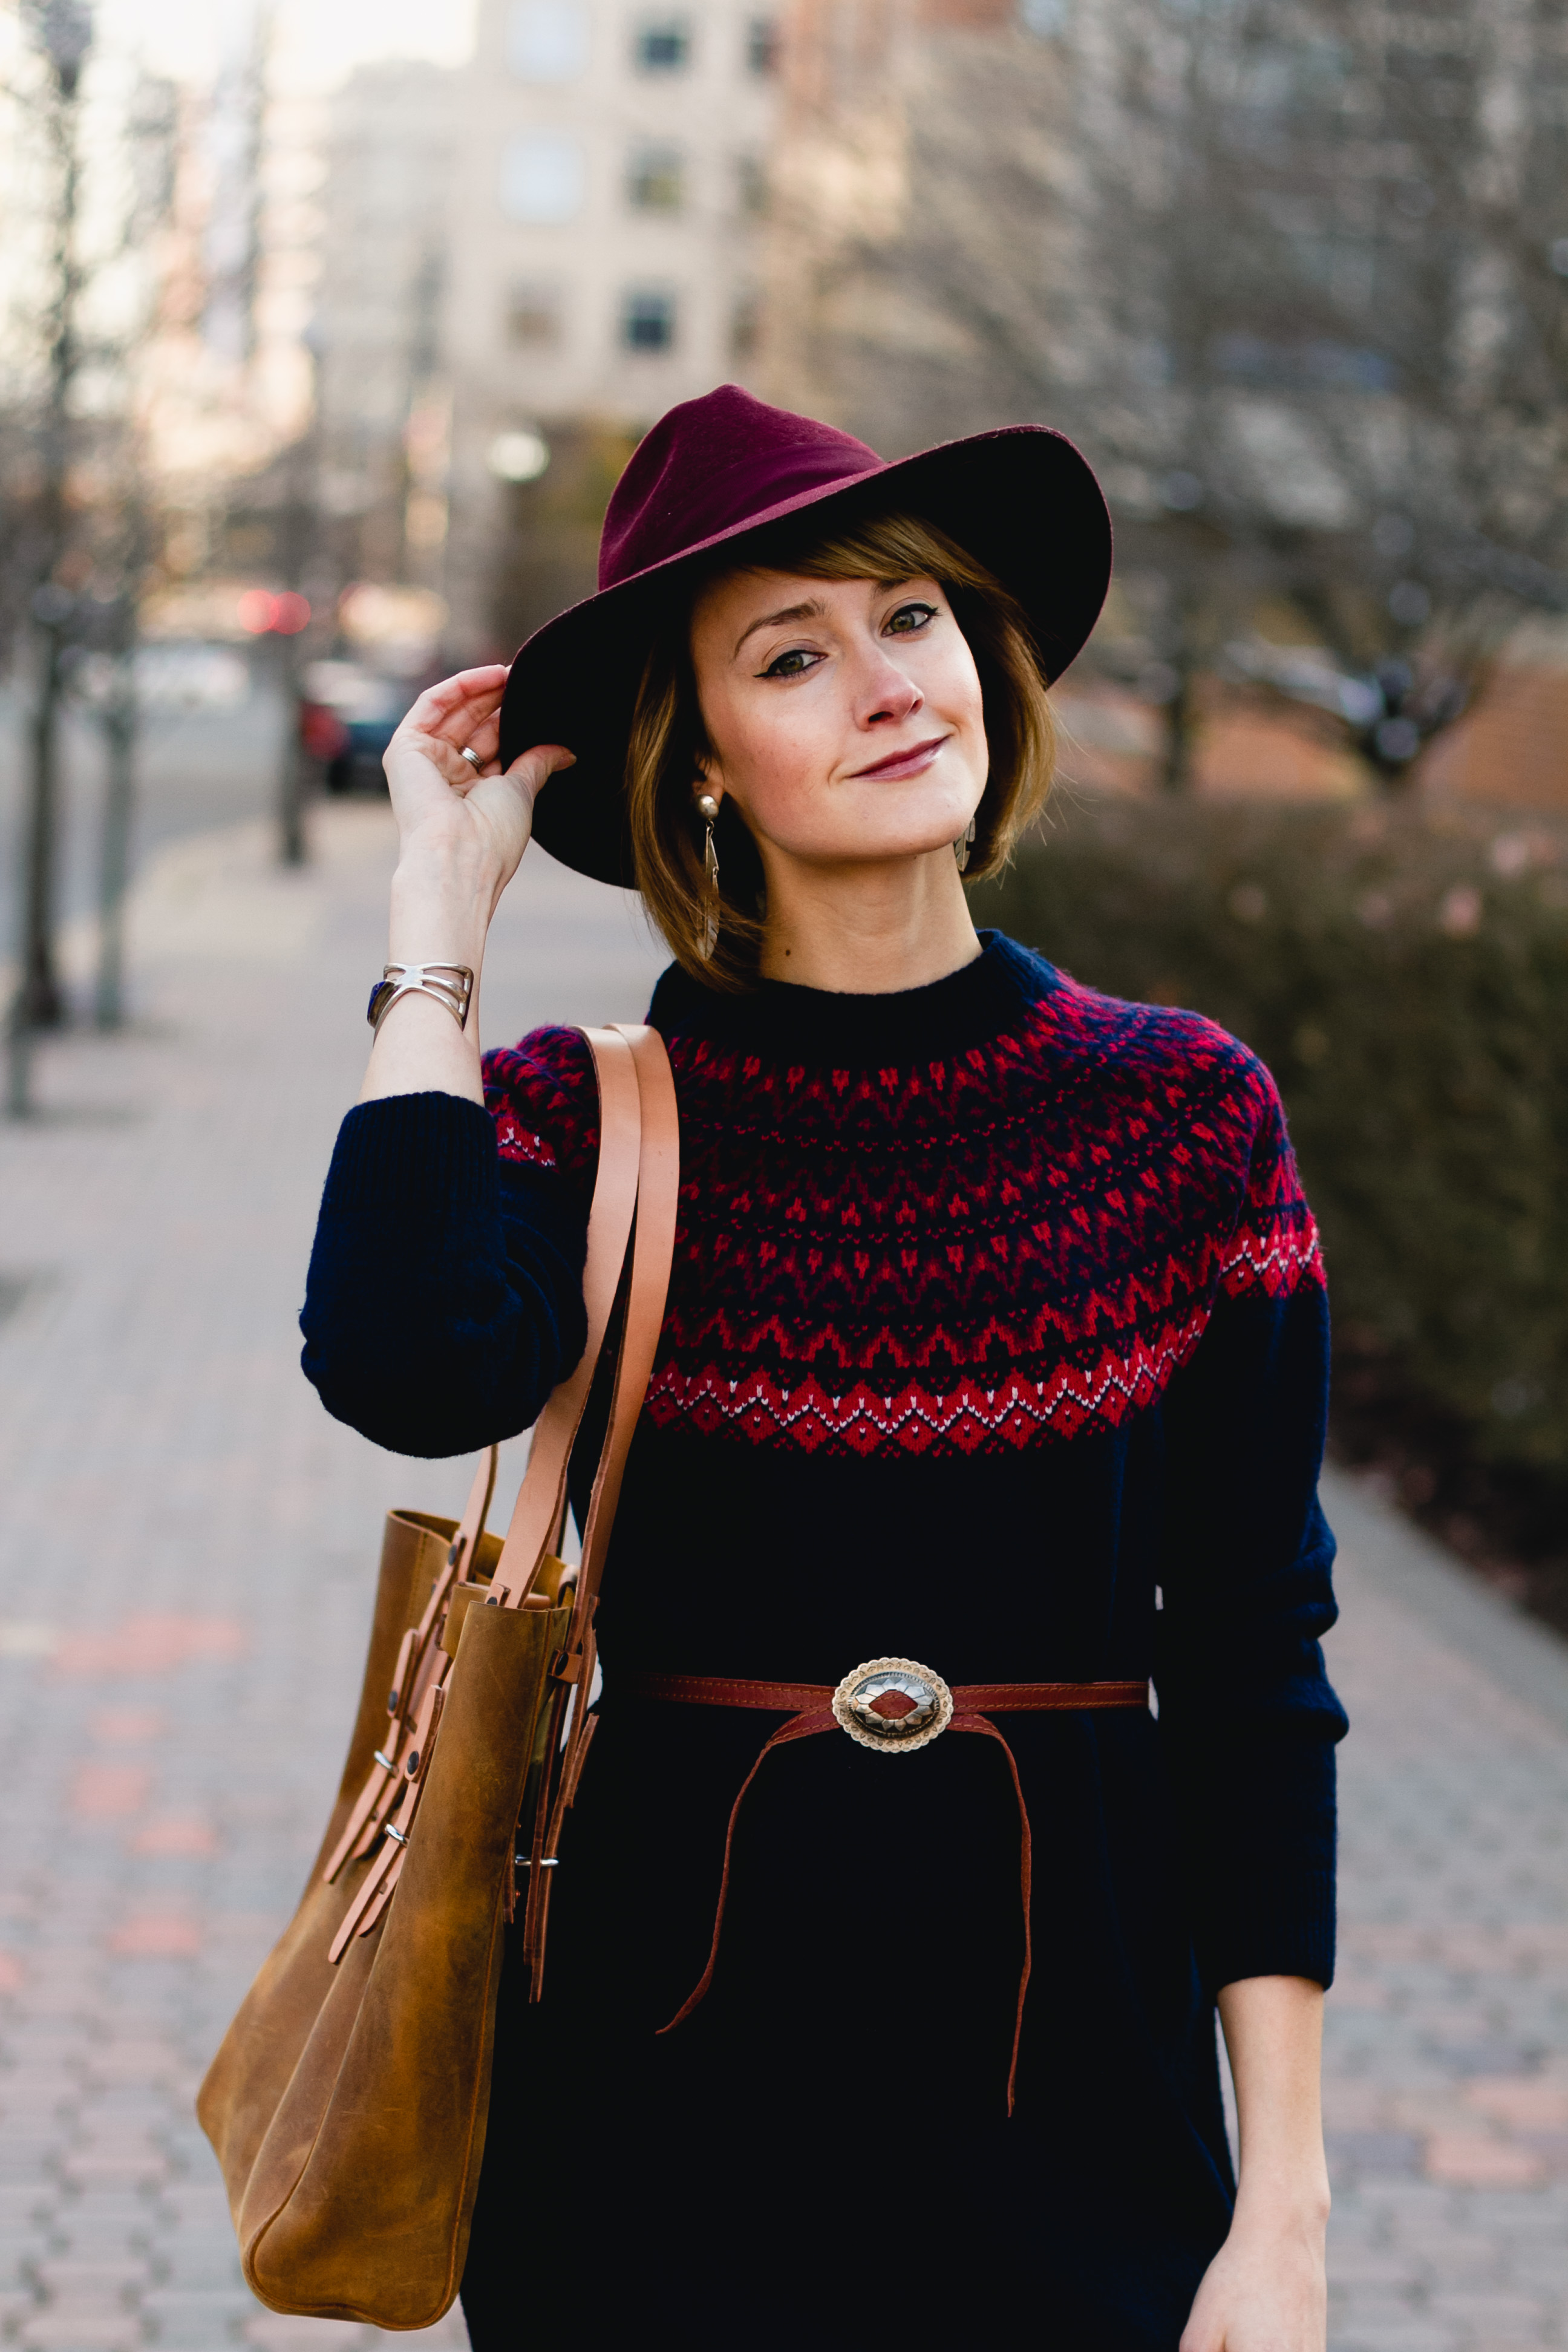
{"x":1021,"y":501}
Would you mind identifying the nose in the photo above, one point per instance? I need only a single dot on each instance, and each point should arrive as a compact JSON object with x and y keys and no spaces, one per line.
{"x":886,"y":693}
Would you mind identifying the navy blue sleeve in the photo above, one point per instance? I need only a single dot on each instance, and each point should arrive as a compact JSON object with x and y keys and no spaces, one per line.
{"x":445,"y":1295}
{"x":1247,"y":1718}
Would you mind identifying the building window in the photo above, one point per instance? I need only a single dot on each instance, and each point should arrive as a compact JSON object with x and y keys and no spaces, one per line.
{"x":751,"y":185}
{"x":655,"y":180}
{"x":547,"y":40}
{"x":543,"y":176}
{"x":532,"y":315}
{"x":662,"y":44}
{"x":647,"y":320}
{"x":762,"y":46}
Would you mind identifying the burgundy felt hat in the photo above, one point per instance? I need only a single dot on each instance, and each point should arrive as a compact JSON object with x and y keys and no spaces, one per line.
{"x":1021,"y":501}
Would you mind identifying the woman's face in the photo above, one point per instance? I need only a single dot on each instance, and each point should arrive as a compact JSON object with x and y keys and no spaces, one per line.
{"x":844,"y":716}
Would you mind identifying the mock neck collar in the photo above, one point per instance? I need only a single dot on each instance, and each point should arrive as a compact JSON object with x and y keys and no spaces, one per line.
{"x":981,"y":1000}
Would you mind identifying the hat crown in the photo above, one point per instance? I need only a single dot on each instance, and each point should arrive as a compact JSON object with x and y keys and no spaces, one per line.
{"x":713,"y":464}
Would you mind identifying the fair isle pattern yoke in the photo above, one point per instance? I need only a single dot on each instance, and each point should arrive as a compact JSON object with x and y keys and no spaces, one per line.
{"x":1015,"y":1240}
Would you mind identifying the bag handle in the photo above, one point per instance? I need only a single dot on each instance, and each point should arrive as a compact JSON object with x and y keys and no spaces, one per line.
{"x":628,"y":1066}
{"x":653,"y":1251}
{"x":658,"y":1152}
{"x":639,"y":1173}
{"x":541,"y":1506}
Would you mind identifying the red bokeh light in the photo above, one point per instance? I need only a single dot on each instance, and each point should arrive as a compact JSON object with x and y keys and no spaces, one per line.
{"x":287,"y":615}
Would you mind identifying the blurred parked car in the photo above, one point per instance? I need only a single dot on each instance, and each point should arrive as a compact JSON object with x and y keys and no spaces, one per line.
{"x":347,"y":717}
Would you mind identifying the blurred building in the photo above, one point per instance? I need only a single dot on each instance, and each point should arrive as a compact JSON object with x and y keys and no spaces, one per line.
{"x":381,"y":401}
{"x":922,"y":275}
{"x":609,"y":191}
{"x":1510,"y":748}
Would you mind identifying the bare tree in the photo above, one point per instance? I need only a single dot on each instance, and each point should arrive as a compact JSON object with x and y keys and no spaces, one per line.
{"x":1286,"y":268}
{"x":73,"y":543}
{"x":63,"y":32}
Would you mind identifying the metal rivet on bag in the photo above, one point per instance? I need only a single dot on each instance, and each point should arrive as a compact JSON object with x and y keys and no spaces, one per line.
{"x":413,"y":1764}
{"x":391,"y":1702}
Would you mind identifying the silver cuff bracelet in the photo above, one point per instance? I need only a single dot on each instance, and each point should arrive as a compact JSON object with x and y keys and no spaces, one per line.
{"x":451,"y":984}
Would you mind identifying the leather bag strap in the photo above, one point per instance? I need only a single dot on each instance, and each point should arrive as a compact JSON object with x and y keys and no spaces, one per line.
{"x":541,"y":1508}
{"x":571,"y":1676}
{"x":653,"y":1249}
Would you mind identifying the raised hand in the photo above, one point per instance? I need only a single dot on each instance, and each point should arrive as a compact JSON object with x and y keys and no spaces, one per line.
{"x":462,"y":829}
{"x":473,"y":817}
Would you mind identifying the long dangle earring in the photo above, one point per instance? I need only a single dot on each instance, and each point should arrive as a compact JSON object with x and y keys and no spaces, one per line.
{"x":708,"y":936}
{"x":962,"y":847}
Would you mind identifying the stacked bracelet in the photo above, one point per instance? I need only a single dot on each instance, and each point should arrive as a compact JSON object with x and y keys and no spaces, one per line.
{"x":455,"y":992}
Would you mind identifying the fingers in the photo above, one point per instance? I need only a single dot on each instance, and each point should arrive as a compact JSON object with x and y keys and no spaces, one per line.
{"x":461,"y":714}
{"x":458,"y":704}
{"x":532,"y":768}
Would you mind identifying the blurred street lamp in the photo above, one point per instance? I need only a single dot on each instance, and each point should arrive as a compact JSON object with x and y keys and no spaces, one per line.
{"x":62,"y":30}
{"x":118,"y":720}
{"x":519,"y":456}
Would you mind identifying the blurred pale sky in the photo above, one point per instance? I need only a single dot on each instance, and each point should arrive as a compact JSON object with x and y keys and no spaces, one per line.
{"x":315,"y":42}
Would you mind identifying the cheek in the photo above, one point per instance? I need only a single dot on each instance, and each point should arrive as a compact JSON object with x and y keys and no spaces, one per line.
{"x":956,"y":688}
{"x":769,"y":748}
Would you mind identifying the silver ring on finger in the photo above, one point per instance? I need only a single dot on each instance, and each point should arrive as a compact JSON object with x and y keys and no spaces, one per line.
{"x":473,"y":759}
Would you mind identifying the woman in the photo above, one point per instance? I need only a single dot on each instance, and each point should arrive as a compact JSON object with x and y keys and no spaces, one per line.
{"x":995,"y":1341}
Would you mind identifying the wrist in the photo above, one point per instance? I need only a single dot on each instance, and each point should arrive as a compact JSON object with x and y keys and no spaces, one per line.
{"x":1284,"y":2201}
{"x":438,"y":913}
{"x":451,"y":859}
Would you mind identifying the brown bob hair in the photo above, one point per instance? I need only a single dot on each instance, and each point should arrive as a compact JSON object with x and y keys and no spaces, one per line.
{"x":667,"y":739}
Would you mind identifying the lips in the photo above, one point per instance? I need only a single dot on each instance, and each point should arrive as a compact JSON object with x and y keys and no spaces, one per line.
{"x":905,"y":763}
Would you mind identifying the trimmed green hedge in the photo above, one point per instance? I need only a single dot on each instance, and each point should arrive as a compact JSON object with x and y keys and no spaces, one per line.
{"x":1405,"y":977}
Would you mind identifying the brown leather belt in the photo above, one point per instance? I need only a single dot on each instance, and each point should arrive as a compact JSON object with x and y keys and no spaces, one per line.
{"x":893,"y":1705}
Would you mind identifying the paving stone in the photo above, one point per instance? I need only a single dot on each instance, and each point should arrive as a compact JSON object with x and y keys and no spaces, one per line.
{"x":71,"y":2332}
{"x":1395,"y":2335}
{"x":272,"y":2332}
{"x":195,"y":2316}
{"x":66,"y":2276}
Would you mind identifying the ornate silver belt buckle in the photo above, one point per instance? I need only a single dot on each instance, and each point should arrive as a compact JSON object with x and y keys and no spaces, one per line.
{"x":894,"y":1705}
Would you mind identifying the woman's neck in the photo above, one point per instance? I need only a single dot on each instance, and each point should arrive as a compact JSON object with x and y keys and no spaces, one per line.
{"x":867,"y":930}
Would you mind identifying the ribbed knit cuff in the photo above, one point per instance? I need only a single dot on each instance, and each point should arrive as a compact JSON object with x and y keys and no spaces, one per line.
{"x":411,"y":1152}
{"x":1263,"y":1928}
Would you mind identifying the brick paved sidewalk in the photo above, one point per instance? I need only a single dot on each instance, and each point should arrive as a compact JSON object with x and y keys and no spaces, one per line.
{"x":1447,"y":2092}
{"x":186,"y":1553}
{"x":187,"y":1547}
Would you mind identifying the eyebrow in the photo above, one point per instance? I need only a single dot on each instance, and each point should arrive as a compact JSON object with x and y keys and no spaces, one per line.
{"x":812,"y":610}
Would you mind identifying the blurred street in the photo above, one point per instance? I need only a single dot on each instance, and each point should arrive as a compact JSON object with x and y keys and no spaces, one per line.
{"x":197,"y":769}
{"x":189,"y":1550}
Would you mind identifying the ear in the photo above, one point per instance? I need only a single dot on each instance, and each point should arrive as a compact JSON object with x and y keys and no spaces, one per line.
{"x":710,"y":778}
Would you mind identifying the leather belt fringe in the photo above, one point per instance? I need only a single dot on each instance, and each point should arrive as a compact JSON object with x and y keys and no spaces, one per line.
{"x":810,"y":1709}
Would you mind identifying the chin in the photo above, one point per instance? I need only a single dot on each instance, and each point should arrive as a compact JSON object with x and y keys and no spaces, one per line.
{"x":866,"y":849}
{"x":904,"y":831}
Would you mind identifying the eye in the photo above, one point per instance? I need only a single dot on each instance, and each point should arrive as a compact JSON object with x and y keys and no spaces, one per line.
{"x":908,"y":619}
{"x":795,"y":664}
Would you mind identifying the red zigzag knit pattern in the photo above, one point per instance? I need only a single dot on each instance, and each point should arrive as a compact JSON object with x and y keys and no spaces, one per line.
{"x":1020,"y":1240}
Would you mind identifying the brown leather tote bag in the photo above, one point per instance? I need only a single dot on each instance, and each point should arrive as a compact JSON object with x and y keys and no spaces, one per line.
{"x":347,"y":2104}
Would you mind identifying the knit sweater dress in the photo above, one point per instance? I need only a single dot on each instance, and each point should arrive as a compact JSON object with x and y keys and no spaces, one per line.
{"x":996,"y":1340}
